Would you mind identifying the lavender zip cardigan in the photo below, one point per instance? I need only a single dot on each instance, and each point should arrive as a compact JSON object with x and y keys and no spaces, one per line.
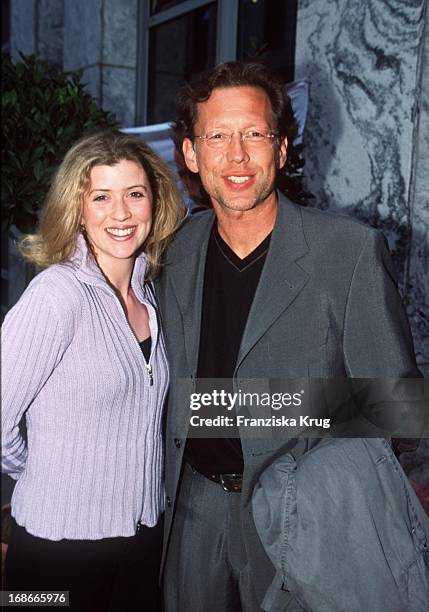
{"x":93,"y":464}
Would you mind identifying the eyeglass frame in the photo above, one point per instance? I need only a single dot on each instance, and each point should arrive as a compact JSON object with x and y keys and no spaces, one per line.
{"x":243,"y":137}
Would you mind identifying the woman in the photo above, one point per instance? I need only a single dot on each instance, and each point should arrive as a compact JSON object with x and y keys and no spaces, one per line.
{"x":84,"y":362}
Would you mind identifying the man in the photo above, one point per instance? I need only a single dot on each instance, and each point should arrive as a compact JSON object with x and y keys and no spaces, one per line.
{"x":257,"y":287}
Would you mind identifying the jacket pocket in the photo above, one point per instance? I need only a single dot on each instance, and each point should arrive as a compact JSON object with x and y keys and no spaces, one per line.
{"x":417,"y":583}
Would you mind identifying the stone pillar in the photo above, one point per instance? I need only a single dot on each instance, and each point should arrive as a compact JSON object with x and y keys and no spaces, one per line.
{"x":83,"y":26}
{"x":23,"y":28}
{"x":366,"y":150}
{"x":50,"y":23}
{"x":120,"y":59}
{"x":37,"y":27}
{"x":101,"y":38}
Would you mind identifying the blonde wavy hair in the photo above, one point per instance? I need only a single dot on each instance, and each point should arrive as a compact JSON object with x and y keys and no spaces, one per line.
{"x":61,"y":213}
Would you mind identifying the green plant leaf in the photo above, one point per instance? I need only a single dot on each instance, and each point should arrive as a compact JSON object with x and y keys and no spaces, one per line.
{"x":9,"y":98}
{"x":38,"y":170}
{"x":45,"y":112}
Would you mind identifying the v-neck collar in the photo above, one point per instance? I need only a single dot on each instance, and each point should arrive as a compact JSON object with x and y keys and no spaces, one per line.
{"x":236,"y":261}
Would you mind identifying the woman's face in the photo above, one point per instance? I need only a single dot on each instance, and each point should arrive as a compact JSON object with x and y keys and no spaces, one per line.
{"x":117,"y":212}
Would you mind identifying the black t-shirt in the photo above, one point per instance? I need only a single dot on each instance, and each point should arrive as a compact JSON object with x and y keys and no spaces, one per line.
{"x":229,"y":288}
{"x":146,"y":346}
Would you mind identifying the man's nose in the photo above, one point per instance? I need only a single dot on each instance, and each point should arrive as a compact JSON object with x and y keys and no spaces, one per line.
{"x":237,"y":149}
{"x":120,"y":210}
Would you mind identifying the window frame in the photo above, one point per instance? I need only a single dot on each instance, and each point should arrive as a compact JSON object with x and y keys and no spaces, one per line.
{"x":226,"y":39}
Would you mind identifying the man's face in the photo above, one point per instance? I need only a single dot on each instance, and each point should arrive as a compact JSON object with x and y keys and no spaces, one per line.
{"x":241,"y":176}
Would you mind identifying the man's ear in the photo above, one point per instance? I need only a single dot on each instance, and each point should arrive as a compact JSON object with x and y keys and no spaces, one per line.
{"x":283,"y":153}
{"x":190,"y":155}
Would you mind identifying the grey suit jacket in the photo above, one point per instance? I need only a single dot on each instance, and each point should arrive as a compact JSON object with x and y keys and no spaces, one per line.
{"x":344,"y":529}
{"x":326,"y":305}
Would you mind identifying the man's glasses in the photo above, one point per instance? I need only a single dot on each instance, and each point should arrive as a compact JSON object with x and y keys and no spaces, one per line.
{"x":252,"y":138}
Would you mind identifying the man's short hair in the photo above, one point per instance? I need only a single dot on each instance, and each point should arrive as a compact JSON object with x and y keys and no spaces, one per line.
{"x":222,"y":76}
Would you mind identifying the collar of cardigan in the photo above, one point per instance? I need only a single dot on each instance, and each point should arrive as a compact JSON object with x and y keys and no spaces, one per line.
{"x":88,"y":272}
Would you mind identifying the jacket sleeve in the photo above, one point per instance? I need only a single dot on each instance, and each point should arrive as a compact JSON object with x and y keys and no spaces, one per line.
{"x":378,"y":350}
{"x":32,"y":346}
{"x":377,"y":339}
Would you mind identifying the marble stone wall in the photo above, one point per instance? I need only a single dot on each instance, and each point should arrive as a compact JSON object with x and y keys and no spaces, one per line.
{"x":366,"y":140}
{"x":417,"y":270}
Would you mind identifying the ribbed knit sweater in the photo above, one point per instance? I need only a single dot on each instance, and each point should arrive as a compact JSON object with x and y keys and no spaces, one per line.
{"x":92,"y":464}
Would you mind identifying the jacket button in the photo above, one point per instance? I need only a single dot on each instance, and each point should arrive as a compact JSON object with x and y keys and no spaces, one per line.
{"x":177,"y":442}
{"x":169,"y":502}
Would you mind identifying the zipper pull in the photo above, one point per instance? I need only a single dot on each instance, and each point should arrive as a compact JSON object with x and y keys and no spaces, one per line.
{"x":149,"y":371}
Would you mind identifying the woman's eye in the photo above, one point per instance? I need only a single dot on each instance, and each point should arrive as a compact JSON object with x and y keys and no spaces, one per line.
{"x":99,"y":198}
{"x":136,"y":194}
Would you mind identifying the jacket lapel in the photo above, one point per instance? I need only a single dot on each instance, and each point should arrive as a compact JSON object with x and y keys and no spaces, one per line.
{"x":282,"y":279}
{"x":188,"y":285}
